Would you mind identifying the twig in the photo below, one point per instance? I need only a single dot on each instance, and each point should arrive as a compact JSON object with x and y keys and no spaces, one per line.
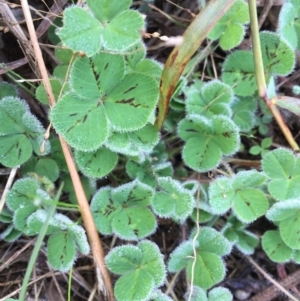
{"x":271,"y":292}
{"x":194,"y":241}
{"x":7,"y":186}
{"x":104,"y":282}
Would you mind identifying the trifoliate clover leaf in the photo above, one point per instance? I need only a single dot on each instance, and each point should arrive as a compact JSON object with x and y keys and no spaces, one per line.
{"x":26,"y":192}
{"x":287,"y":215}
{"x":118,"y":34}
{"x":107,"y":9}
{"x":172,"y":200}
{"x":61,"y":251}
{"x":105,"y":96}
{"x":239,"y":72}
{"x":247,"y":202}
{"x":209,"y":268}
{"x":214,"y":98}
{"x":20,"y":133}
{"x":207,"y":140}
{"x":7,"y":89}
{"x":96,"y":164}
{"x":278,"y":56}
{"x":283,"y":169}
{"x":288,"y":22}
{"x":235,"y":232}
{"x":243,"y":109}
{"x":275,"y":247}
{"x":230,"y":29}
{"x":124,"y":211}
{"x":147,"y":172}
{"x":142,"y":269}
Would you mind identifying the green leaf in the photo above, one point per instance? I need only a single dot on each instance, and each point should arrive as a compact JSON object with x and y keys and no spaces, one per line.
{"x":239,"y":72}
{"x":214,"y":98}
{"x":96,"y":164}
{"x":289,"y":231}
{"x":243,"y":109}
{"x":248,"y":202}
{"x":124,"y":259}
{"x":47,"y":168}
{"x":124,"y":211}
{"x":73,"y":118}
{"x":275,"y":248}
{"x":118,"y":34}
{"x":172,"y":200}
{"x":210,"y":240}
{"x":123,"y":31}
{"x":221,"y":195}
{"x":107,"y":9}
{"x":7,"y":89}
{"x":198,"y":294}
{"x":102,"y":73}
{"x":157,"y":295}
{"x":255,"y":150}
{"x":147,"y":172}
{"x":209,"y":270}
{"x":61,"y":251}
{"x":143,"y":270}
{"x":136,"y":286}
{"x":87,"y":28}
{"x":287,"y":23}
{"x":10,"y":234}
{"x":283,"y":169}
{"x":206,"y":140}
{"x":283,"y":210}
{"x":220,"y":294}
{"x":26,"y":192}
{"x":20,"y":133}
{"x":21,"y":215}
{"x":56,"y":85}
{"x":230,"y":29}
{"x":278,"y":56}
{"x":153,"y":262}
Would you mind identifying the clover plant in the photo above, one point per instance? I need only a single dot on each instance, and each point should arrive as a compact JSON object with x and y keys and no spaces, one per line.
{"x":106,"y":92}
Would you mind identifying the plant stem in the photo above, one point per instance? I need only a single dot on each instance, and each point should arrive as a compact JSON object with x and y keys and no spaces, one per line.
{"x":37,"y":245}
{"x":104,"y":282}
{"x":260,"y":76}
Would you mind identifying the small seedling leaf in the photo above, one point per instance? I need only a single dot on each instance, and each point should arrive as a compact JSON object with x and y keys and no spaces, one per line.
{"x":173,"y":200}
{"x":214,"y":98}
{"x":220,"y":294}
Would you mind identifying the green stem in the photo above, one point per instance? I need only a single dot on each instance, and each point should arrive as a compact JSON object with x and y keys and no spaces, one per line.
{"x":38,"y":245}
{"x":260,"y":77}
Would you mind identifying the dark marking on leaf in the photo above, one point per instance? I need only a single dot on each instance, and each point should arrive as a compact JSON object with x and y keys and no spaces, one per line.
{"x":106,"y":66}
{"x":226,"y":134}
{"x":84,"y":118}
{"x":130,"y":89}
{"x":73,"y":114}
